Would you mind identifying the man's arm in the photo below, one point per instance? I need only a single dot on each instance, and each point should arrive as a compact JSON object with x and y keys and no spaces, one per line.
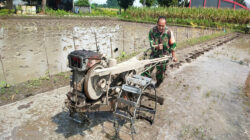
{"x":151,"y":41}
{"x":172,"y":44}
{"x":150,"y":38}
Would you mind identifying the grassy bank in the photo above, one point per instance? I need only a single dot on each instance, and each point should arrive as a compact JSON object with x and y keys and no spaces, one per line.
{"x":6,"y":12}
{"x":206,"y":17}
{"x":194,"y":17}
{"x":209,"y":14}
{"x":202,"y":17}
{"x":200,"y":39}
{"x":11,"y":93}
{"x":94,"y":12}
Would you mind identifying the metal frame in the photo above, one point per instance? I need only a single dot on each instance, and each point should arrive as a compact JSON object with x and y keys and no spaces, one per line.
{"x":219,"y":3}
{"x":137,"y":88}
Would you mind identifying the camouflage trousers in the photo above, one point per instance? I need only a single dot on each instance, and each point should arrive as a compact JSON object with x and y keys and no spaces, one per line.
{"x":160,"y":72}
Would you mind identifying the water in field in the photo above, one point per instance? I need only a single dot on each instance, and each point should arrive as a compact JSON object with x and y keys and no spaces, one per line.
{"x":206,"y":99}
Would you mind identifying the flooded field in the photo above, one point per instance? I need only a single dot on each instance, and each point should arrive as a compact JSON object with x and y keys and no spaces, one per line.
{"x":204,"y":99}
{"x":31,"y":48}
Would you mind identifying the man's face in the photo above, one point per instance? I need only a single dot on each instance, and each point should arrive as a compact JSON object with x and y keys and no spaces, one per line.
{"x":161,"y":25}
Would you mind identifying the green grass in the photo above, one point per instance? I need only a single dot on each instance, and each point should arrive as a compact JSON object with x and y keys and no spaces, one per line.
{"x":58,"y":12}
{"x":5,"y":12}
{"x":201,"y":39}
{"x":94,"y":12}
{"x":208,"y":94}
{"x":34,"y":82}
{"x":194,"y":132}
{"x":64,"y":74}
{"x":195,"y":17}
{"x":202,"y":14}
{"x":4,"y":84}
{"x":202,"y":17}
{"x":38,"y":85}
{"x":124,"y":56}
{"x":102,"y":12}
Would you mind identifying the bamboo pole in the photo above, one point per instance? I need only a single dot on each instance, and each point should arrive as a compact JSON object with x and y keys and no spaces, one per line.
{"x":176,"y":33}
{"x":97,"y":49}
{"x":73,"y":39}
{"x":123,"y":47}
{"x":134,"y":45}
{"x":111,"y":49}
{"x":144,"y":44}
{"x":4,"y":74}
{"x":44,"y":40}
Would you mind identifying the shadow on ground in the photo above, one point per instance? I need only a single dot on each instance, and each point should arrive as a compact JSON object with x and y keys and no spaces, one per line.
{"x":68,"y":127}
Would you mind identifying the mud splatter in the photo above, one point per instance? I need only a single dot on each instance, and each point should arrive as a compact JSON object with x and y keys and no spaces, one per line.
{"x":25,"y":105}
{"x":247,"y":86}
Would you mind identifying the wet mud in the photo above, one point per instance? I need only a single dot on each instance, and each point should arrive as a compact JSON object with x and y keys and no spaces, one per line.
{"x":204,"y":99}
{"x":25,"y":105}
{"x":247,"y":86}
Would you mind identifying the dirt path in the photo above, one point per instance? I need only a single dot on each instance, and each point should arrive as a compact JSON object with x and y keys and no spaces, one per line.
{"x":204,"y":99}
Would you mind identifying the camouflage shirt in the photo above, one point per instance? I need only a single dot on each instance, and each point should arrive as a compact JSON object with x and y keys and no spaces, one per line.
{"x":166,"y":38}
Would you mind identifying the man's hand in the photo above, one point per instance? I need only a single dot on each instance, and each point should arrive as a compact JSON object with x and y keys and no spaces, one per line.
{"x":173,"y":56}
{"x":160,"y":46}
{"x":174,"y":59}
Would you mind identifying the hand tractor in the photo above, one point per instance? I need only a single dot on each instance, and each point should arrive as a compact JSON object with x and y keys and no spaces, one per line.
{"x":100,"y":84}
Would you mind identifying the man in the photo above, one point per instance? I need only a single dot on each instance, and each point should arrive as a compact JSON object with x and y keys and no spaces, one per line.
{"x":162,"y":42}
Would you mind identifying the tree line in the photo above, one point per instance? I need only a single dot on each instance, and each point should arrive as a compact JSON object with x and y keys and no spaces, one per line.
{"x":149,"y":3}
{"x":120,"y":3}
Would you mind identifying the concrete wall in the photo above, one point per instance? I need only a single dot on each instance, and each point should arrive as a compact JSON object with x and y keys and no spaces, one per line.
{"x":79,"y":9}
{"x":27,"y":44}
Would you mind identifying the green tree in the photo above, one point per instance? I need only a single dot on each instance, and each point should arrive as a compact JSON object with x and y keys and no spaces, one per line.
{"x":112,"y":3}
{"x":167,"y":3}
{"x":148,"y":3}
{"x":125,"y":3}
{"x":184,"y":3}
{"x":82,"y":3}
{"x":174,"y":3}
{"x":32,"y":2}
{"x":43,"y":6}
{"x":241,"y":2}
{"x":9,"y":4}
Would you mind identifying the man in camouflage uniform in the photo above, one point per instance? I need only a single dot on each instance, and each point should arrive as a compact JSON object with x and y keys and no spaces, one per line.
{"x":162,"y":42}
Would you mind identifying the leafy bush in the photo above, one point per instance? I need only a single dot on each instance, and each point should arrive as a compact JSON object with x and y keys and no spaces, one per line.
{"x":6,"y":12}
{"x":57,"y":12}
{"x":104,"y":12}
{"x":84,"y":3}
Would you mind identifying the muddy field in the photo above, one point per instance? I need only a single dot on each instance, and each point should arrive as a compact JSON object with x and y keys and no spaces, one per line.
{"x":32,"y":48}
{"x":203,"y":92}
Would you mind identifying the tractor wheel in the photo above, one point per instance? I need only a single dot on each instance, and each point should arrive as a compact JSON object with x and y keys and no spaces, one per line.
{"x":148,"y":103}
{"x":94,"y":85}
